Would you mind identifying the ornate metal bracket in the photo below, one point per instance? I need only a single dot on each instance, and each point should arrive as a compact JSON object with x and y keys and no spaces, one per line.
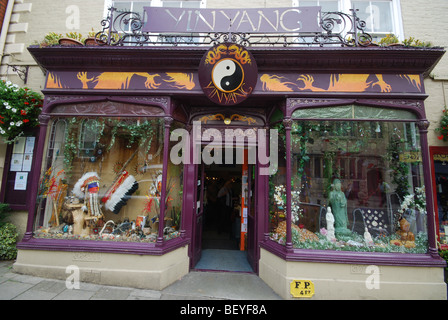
{"x":124,"y":28}
{"x":21,"y":71}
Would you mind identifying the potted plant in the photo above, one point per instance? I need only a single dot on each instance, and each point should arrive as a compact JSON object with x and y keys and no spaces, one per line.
{"x":92,"y":39}
{"x":389,"y":40}
{"x":72,"y":39}
{"x":412,"y":42}
{"x":50,"y":39}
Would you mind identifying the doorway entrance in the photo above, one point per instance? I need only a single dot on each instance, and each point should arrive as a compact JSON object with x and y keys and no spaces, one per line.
{"x":226,"y":198}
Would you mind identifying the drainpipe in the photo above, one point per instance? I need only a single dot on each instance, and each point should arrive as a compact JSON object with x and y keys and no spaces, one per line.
{"x":5,"y":27}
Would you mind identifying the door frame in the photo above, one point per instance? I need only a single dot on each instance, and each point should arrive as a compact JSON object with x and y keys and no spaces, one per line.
{"x":256,"y":226}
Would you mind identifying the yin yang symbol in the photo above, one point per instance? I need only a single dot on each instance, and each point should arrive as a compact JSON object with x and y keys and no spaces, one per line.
{"x":227,"y":75}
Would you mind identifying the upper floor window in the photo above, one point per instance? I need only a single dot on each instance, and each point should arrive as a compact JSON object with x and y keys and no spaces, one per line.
{"x":381,"y":16}
{"x":137,"y":5}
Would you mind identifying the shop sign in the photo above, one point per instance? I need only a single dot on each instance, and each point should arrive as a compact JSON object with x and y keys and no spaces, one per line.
{"x":302,"y":288}
{"x":228,"y":74}
{"x":262,"y":20}
{"x":411,"y":156}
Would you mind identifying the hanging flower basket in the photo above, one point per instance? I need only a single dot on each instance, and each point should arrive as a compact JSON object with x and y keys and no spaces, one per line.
{"x":443,"y":127}
{"x":19,"y":110}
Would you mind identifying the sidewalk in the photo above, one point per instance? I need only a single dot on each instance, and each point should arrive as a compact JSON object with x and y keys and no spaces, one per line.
{"x":193,"y":286}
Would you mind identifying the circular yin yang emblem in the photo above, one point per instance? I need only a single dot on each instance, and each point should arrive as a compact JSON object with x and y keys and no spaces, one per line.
{"x":228,"y":74}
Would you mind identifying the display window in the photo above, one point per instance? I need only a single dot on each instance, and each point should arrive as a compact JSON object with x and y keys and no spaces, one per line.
{"x":102,"y":180}
{"x":356,"y":182}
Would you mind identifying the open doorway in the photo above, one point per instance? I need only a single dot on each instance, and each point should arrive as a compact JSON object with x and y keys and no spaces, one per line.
{"x":223,"y":243}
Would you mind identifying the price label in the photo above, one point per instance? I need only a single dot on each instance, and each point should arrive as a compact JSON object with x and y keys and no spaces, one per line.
{"x":302,"y":288}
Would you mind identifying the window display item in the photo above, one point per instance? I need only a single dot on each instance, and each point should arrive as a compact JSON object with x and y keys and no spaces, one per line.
{"x":338,"y":204}
{"x":330,"y":226}
{"x":119,"y":193}
{"x":89,"y":185}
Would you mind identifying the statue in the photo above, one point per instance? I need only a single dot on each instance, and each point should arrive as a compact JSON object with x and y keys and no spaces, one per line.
{"x":330,"y":226}
{"x":368,"y":238}
{"x":338,"y":204}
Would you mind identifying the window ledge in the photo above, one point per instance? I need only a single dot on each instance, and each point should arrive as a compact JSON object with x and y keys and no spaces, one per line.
{"x":347,"y":257}
{"x":103,"y":246}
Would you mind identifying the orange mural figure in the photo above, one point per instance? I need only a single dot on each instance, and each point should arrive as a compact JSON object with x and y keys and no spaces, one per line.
{"x":181,"y":80}
{"x":117,"y":80}
{"x":346,"y":83}
{"x":274,"y":83}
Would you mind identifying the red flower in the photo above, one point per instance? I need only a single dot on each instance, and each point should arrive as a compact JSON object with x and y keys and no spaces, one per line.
{"x":301,"y":226}
{"x":440,"y":137}
{"x":26,"y":102}
{"x":22,"y":112}
{"x":26,"y":120}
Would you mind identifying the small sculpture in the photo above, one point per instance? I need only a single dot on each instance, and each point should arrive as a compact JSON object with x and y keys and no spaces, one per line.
{"x":368,"y":238}
{"x":330,"y":225}
{"x":338,"y":204}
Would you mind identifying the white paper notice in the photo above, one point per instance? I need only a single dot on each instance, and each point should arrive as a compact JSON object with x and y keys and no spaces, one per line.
{"x":27,"y":161}
{"x":29,"y":145}
{"x":16,"y":162}
{"x":21,"y":180}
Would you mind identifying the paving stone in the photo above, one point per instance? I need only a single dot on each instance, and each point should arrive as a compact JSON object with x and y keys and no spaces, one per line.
{"x":11,"y":289}
{"x":74,"y":294}
{"x":112,"y":293}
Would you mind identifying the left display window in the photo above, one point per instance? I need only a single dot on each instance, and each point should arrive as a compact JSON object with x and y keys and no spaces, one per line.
{"x":101,"y":180}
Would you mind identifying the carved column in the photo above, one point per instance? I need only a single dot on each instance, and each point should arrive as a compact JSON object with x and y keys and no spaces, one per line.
{"x":287,"y":123}
{"x":168,"y":121}
{"x":432,"y":243}
{"x":36,"y":171}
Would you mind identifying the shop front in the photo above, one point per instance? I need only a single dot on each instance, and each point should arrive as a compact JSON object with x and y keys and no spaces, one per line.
{"x":310,"y":164}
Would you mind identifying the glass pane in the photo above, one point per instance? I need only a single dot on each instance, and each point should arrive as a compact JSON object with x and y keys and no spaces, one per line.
{"x":174,"y":192}
{"x":327,"y":5}
{"x":376,"y":14}
{"x":102,"y":180}
{"x":354,"y":112}
{"x":370,"y":176}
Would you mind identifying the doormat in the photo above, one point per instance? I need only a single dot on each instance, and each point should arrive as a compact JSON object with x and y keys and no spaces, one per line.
{"x":224,"y":260}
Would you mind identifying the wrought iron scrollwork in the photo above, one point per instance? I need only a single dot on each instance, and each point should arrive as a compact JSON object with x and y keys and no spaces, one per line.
{"x":124,"y":28}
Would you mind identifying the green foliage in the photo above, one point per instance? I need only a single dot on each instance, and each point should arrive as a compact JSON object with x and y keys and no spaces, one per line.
{"x":19,"y":110}
{"x":8,"y":239}
{"x":75,"y":35}
{"x":388,"y":40}
{"x":4,"y":213}
{"x":443,"y":127}
{"x":412,"y":42}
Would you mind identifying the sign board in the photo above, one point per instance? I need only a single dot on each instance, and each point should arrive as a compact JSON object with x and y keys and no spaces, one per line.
{"x":262,"y":20}
{"x":302,"y":288}
{"x":228,"y":74}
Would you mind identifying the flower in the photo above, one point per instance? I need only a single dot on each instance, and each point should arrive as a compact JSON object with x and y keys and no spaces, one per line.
{"x":443,"y":127}
{"x":20,"y":112}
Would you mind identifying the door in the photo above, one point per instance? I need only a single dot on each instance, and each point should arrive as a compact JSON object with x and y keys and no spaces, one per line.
{"x":252,"y":248}
{"x":198,"y":214}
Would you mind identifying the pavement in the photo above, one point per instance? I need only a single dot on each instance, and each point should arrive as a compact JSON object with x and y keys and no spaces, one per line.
{"x":193,"y":286}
